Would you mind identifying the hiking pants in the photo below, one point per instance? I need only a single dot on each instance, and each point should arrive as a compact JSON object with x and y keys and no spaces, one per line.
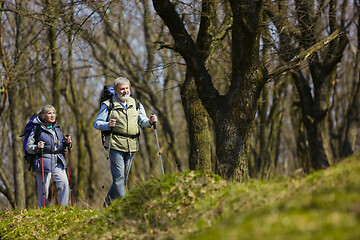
{"x":120,"y":164}
{"x":62,"y":184}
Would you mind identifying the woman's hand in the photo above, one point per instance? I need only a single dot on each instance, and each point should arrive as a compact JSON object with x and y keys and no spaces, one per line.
{"x":41,"y":144}
{"x":68,"y":139}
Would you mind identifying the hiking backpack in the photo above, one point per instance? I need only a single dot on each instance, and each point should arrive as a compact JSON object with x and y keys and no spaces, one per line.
{"x":29,"y":158}
{"x":107,"y":94}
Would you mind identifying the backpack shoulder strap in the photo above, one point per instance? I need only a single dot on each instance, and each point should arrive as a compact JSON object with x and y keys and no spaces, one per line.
{"x":37,"y":132}
{"x":110,"y":107}
{"x":137,"y":102}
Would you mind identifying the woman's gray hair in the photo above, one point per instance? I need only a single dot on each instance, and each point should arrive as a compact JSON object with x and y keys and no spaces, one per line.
{"x":120,"y":81}
{"x":45,"y":109}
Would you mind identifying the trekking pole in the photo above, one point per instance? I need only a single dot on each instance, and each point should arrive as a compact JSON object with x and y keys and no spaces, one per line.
{"x":71,"y":188}
{"x":42,"y":174}
{"x":157,"y":140}
{"x":127,"y":173}
{"x":108,"y":155}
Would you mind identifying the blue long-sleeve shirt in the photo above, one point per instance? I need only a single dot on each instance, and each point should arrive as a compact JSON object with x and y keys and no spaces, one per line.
{"x":102,"y":124}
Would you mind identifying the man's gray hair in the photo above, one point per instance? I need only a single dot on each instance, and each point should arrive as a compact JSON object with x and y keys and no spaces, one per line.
{"x":120,"y":81}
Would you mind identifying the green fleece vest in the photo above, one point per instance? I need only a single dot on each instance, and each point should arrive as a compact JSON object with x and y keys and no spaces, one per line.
{"x":127,"y":123}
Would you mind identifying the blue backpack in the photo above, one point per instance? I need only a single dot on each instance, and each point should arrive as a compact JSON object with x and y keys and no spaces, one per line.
{"x":29,"y":158}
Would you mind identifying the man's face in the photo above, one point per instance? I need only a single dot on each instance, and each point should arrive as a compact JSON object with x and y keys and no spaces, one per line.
{"x":123,"y":92}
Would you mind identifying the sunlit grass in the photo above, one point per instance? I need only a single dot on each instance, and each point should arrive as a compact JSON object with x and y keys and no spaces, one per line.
{"x":192,"y":205}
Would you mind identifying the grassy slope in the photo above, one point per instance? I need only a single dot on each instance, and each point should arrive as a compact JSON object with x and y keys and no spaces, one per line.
{"x":323,"y":205}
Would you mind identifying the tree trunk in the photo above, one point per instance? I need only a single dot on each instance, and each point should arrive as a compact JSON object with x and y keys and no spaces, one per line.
{"x":301,"y":152}
{"x":198,"y":127}
{"x":353,"y":114}
{"x":6,"y":188}
{"x":270,"y":129}
{"x":16,"y":122}
{"x":195,"y":114}
{"x":232,"y":149}
{"x":93,"y":169}
{"x":352,"y":126}
{"x":16,"y":145}
{"x":81,"y":129}
{"x":51,"y":9}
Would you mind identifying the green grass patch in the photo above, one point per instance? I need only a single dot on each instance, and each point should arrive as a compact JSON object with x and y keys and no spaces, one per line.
{"x":40,"y":223}
{"x":193,"y":205}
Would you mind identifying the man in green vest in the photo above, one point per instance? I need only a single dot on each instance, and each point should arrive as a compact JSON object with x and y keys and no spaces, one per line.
{"x":122,"y":115}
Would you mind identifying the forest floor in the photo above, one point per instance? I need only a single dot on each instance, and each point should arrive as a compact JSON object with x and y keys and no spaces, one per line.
{"x":191,"y":205}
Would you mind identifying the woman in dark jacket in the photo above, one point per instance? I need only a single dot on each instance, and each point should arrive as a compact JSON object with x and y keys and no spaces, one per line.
{"x":47,"y":136}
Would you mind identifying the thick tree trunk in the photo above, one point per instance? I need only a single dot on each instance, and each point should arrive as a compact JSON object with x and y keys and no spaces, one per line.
{"x":198,"y":127}
{"x":316,"y":146}
{"x":232,"y":149}
{"x":312,"y":116}
{"x":196,"y":115}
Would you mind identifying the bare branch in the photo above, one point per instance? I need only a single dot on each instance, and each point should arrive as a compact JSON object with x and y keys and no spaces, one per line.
{"x":299,"y":59}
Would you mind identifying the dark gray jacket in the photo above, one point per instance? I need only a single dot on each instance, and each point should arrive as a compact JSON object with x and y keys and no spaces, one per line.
{"x":53,"y":149}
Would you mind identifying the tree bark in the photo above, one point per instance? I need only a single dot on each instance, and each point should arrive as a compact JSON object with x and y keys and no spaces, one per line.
{"x":51,"y":10}
{"x":198,"y":127}
{"x":195,"y":114}
{"x":16,"y":123}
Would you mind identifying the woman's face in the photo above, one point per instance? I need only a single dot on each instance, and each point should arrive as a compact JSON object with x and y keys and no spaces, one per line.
{"x":49,"y":117}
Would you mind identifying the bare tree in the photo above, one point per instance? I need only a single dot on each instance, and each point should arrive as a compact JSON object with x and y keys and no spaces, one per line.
{"x":314,"y":90}
{"x":353,"y":114}
{"x":233,"y":122}
{"x":234,"y":112}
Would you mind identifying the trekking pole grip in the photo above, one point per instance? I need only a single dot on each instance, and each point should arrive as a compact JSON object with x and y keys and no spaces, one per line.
{"x":68,"y":145}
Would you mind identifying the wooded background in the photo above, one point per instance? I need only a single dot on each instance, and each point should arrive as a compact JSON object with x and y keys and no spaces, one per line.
{"x":244,"y":89}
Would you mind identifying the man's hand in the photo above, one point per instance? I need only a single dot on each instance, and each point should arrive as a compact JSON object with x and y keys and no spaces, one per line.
{"x":112,"y":122}
{"x":153,"y":118}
